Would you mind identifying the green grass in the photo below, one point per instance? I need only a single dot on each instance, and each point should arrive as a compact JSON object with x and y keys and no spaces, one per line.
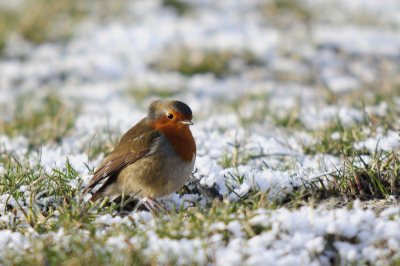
{"x":19,"y":174}
{"x":86,"y":240}
{"x":77,"y":220}
{"x":376,"y":180}
{"x":349,"y":135}
{"x":327,"y":144}
{"x":180,"y":6}
{"x":80,"y":251}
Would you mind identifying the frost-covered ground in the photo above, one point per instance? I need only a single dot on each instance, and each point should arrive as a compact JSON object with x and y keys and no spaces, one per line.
{"x":284,"y":95}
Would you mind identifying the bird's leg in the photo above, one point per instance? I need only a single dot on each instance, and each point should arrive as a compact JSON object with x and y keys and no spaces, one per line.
{"x":158,"y":205}
{"x":141,"y":202}
{"x":148,"y":205}
{"x":146,"y":201}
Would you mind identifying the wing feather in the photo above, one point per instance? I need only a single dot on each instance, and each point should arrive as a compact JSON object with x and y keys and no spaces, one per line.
{"x":135,"y":144}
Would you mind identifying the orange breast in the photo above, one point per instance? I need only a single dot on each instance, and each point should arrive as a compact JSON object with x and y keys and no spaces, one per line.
{"x":181,"y":139}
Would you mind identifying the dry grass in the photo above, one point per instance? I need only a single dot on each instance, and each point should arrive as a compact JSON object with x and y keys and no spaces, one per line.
{"x":55,"y":20}
{"x":41,"y":20}
{"x":190,"y":62}
{"x":49,"y":122}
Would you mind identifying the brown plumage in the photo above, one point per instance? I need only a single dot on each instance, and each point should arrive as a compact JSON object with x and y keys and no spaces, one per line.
{"x":153,"y":159}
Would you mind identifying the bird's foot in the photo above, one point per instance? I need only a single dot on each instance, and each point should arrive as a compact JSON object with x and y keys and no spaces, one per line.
{"x":147,"y":201}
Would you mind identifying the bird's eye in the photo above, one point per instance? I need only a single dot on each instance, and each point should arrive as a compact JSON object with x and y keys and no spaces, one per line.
{"x":170,"y":116}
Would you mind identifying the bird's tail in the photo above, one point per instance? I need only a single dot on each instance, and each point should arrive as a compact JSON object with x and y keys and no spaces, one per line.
{"x":96,"y":196}
{"x":99,"y":193}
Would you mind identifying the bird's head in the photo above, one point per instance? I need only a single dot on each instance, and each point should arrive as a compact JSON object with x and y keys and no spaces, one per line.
{"x":169,"y":115}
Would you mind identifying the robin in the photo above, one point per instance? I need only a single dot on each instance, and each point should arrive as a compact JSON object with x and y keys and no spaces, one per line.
{"x":153,"y":159}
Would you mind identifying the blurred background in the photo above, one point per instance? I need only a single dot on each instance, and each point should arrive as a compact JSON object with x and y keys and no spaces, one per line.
{"x":293,"y":102}
{"x":71,"y":69}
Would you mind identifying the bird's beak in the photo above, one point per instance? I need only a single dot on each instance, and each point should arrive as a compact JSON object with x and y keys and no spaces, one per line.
{"x":187,"y":122}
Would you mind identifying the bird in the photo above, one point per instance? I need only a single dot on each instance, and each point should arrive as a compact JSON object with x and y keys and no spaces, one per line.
{"x":152,"y":159}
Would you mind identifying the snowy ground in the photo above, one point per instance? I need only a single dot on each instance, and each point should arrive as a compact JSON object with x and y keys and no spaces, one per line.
{"x":289,"y":73}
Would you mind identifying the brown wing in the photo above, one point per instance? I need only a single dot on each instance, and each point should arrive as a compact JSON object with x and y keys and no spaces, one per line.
{"x":133,"y":145}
